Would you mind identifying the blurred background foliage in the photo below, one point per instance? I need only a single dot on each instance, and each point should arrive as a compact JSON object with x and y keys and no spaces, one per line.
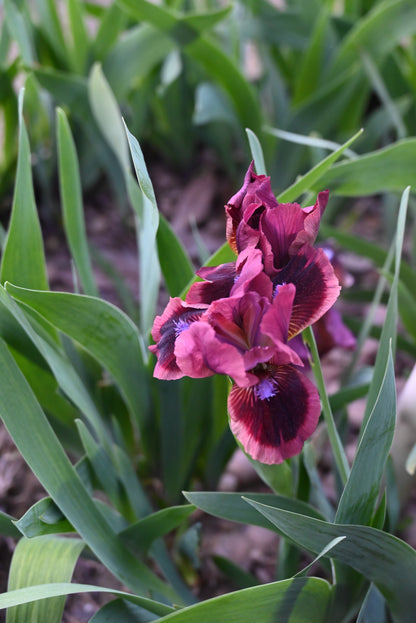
{"x":192,"y":75}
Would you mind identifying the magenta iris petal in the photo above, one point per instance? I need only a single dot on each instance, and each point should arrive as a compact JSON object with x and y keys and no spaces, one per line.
{"x":250,"y":274}
{"x":218,"y":281}
{"x":317,"y":287}
{"x":176,"y":318}
{"x":200,"y":353}
{"x":248,"y":204}
{"x":273,"y":418}
{"x":312,"y":219}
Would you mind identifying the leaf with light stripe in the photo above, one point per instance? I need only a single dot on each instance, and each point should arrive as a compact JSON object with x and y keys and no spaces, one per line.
{"x":43,"y":559}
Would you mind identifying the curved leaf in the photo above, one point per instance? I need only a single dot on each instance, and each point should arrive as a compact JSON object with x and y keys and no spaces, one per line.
{"x":380,"y":557}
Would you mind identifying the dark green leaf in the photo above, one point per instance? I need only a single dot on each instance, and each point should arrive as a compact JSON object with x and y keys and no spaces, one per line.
{"x":380,"y":557}
{"x":23,"y":260}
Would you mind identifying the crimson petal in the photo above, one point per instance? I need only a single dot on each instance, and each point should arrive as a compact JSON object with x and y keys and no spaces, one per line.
{"x":248,"y":203}
{"x":317,"y":287}
{"x":273,"y":418}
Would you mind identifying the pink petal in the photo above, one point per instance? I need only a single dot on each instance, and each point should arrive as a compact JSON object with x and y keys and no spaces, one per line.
{"x":200,"y":353}
{"x":250,"y":274}
{"x":176,"y":318}
{"x":273,"y":418}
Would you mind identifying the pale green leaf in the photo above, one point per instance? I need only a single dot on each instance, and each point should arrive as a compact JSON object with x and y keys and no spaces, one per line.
{"x":45,"y":591}
{"x":40,"y":560}
{"x":299,"y":600}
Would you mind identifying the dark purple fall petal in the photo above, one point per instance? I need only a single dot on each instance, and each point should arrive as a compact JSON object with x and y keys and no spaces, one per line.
{"x":317,"y":287}
{"x":176,"y":318}
{"x":273,"y":418}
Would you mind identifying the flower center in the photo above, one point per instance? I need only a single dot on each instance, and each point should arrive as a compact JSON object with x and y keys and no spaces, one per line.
{"x":181,"y":325}
{"x":266,"y":388}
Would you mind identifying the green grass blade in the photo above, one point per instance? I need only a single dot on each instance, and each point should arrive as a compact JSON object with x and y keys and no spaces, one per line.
{"x":382,"y":558}
{"x":148,"y":223}
{"x":107,"y":115}
{"x":72,"y":206}
{"x":308,"y":74}
{"x":389,"y":332}
{"x":394,"y":18}
{"x":121,"y":611}
{"x":231,"y":506}
{"x":79,"y":34}
{"x":43,"y":518}
{"x":176,"y":273}
{"x":65,"y":375}
{"x":256,"y":152}
{"x":20,"y":31}
{"x":142,"y":534}
{"x":381,"y":90}
{"x":23,"y":260}
{"x":333,"y":435}
{"x":310,"y":179}
{"x":109,"y":29}
{"x":39,"y":446}
{"x":102,"y":467}
{"x":361,"y":492}
{"x":45,"y":591}
{"x":42,"y":560}
{"x":383,"y":170}
{"x":51,"y":25}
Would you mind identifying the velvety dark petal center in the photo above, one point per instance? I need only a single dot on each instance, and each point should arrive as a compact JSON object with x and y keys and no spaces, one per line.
{"x":273,"y":418}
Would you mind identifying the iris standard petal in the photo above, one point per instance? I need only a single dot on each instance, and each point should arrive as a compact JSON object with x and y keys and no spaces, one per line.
{"x":248,"y":203}
{"x":273,"y":418}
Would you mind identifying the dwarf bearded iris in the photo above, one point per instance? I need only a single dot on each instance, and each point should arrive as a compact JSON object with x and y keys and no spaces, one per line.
{"x":240,"y":318}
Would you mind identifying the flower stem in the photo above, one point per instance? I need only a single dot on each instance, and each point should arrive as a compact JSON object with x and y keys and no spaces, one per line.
{"x":335,"y":441}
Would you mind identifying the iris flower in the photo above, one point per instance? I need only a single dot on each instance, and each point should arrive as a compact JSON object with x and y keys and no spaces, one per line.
{"x":240,"y":318}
